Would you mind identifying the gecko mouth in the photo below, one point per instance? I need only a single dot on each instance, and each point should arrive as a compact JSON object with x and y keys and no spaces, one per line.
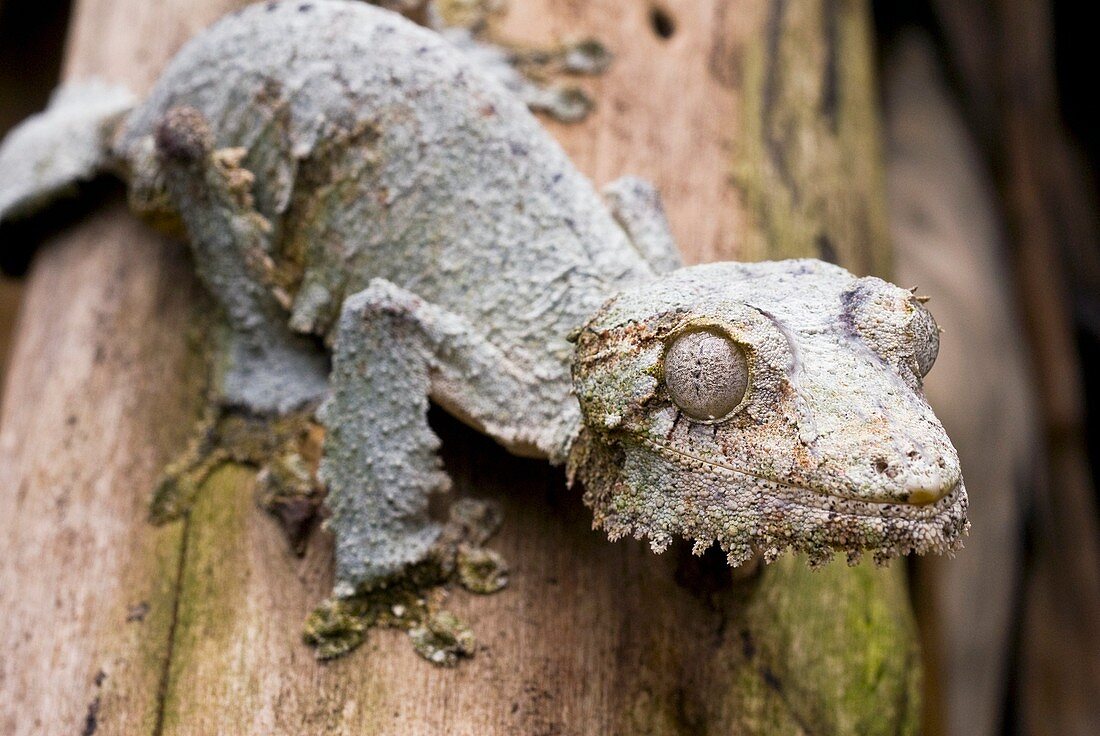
{"x":660,"y":493}
{"x":815,"y":497}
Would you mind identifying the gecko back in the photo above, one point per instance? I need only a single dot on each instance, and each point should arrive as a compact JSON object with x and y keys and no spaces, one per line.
{"x":377,"y":150}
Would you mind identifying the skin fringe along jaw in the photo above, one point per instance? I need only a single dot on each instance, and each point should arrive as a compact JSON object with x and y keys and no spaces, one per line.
{"x":826,"y":444}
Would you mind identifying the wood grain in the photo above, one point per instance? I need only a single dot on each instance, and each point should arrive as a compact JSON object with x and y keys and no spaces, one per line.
{"x":756,"y":119}
{"x":87,"y":587}
{"x":10,"y":297}
{"x":99,"y":392}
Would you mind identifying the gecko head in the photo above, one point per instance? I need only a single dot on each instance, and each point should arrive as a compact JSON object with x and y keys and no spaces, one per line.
{"x":763,"y":407}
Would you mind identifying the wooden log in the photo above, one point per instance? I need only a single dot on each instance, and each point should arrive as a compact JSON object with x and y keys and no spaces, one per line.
{"x":30,"y":54}
{"x":757,"y":121}
{"x":100,"y":391}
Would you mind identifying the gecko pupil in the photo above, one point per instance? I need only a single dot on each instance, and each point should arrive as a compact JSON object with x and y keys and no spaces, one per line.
{"x":706,"y":374}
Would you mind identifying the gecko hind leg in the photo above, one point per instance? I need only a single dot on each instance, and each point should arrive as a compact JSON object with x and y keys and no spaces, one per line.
{"x":379,"y":461}
{"x":265,"y":379}
{"x":263,"y":367}
{"x":636,"y":205}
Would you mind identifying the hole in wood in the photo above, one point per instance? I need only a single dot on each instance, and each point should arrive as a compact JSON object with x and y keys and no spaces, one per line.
{"x":661,"y":22}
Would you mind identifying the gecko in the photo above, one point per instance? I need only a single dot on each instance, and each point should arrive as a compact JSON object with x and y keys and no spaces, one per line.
{"x":383,"y":225}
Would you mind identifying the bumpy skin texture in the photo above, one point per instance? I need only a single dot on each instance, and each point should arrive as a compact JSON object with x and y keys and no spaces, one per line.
{"x":349,"y":179}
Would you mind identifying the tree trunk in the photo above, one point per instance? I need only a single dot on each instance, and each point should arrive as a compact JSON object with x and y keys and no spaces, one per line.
{"x":1003,"y":56}
{"x":757,"y":120}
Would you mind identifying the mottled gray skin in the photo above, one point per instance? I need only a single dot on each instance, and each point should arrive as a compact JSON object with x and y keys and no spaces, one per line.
{"x":349,"y":179}
{"x":832,"y":447}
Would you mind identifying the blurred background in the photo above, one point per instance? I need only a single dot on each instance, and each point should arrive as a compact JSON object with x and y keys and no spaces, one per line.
{"x":991,"y":144}
{"x":990,"y":135}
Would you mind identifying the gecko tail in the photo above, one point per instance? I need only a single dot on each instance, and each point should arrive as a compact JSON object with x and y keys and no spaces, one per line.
{"x":49,"y":153}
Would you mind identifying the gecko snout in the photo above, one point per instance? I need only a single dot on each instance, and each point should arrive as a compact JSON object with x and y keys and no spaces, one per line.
{"x":919,"y":479}
{"x":928,"y":487}
{"x":922,"y":493}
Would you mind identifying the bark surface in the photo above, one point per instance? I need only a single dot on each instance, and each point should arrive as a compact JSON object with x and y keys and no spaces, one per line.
{"x":757,"y":121}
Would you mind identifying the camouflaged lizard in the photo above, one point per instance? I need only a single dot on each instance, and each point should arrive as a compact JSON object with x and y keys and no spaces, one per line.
{"x":353,"y":186}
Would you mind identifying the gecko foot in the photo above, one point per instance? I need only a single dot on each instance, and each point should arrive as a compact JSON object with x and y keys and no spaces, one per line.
{"x":413,"y":601}
{"x":287,"y":450}
{"x":179,"y":482}
{"x":288,"y":488}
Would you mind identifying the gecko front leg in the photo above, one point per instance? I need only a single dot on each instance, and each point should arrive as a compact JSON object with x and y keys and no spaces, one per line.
{"x":379,"y":463}
{"x":392,"y":351}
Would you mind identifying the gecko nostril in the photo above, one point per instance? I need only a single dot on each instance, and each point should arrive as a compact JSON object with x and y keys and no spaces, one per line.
{"x":885,"y":467}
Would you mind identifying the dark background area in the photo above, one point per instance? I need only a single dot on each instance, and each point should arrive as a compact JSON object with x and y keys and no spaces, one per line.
{"x":1075,"y":64}
{"x":1021,"y":74}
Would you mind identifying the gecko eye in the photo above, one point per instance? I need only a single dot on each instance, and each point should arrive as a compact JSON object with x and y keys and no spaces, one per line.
{"x":706,"y":374}
{"x":895,"y":324}
{"x":927,"y":336}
